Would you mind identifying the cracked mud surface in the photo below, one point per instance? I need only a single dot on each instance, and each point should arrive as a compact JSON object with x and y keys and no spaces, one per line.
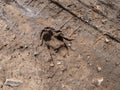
{"x":93,"y":62}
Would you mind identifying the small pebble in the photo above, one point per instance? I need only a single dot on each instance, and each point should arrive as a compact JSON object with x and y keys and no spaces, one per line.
{"x":63,"y":68}
{"x":88,"y":57}
{"x":36,"y":54}
{"x":26,"y":46}
{"x":69,"y":44}
{"x":59,"y":62}
{"x":10,"y":57}
{"x":107,"y":60}
{"x":8,"y":28}
{"x":52,"y":65}
{"x":99,"y":69}
{"x":117,"y":64}
{"x":63,"y":86}
{"x":98,"y":81}
{"x":1,"y":84}
{"x":13,"y":82}
{"x":107,"y":40}
{"x":104,"y":21}
{"x":89,"y":64}
{"x":14,"y":36}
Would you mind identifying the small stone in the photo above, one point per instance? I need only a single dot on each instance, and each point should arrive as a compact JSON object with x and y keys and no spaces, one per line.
{"x":99,"y":69}
{"x":98,"y":81}
{"x":1,"y":68}
{"x":52,"y":64}
{"x":73,"y":48}
{"x":26,"y":46}
{"x":10,"y":57}
{"x":14,"y":36}
{"x":1,"y":84}
{"x":88,"y":57}
{"x":63,"y":86}
{"x":36,"y":54}
{"x":63,"y":69}
{"x":117,"y":64}
{"x":69,"y":44}
{"x":59,"y":62}
{"x":8,"y":28}
{"x":90,"y":64}
{"x":107,"y":40}
{"x":107,"y":60}
{"x":13,"y":82}
{"x":104,"y":21}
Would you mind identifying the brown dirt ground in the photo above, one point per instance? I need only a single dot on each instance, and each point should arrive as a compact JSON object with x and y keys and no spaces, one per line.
{"x":94,"y":54}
